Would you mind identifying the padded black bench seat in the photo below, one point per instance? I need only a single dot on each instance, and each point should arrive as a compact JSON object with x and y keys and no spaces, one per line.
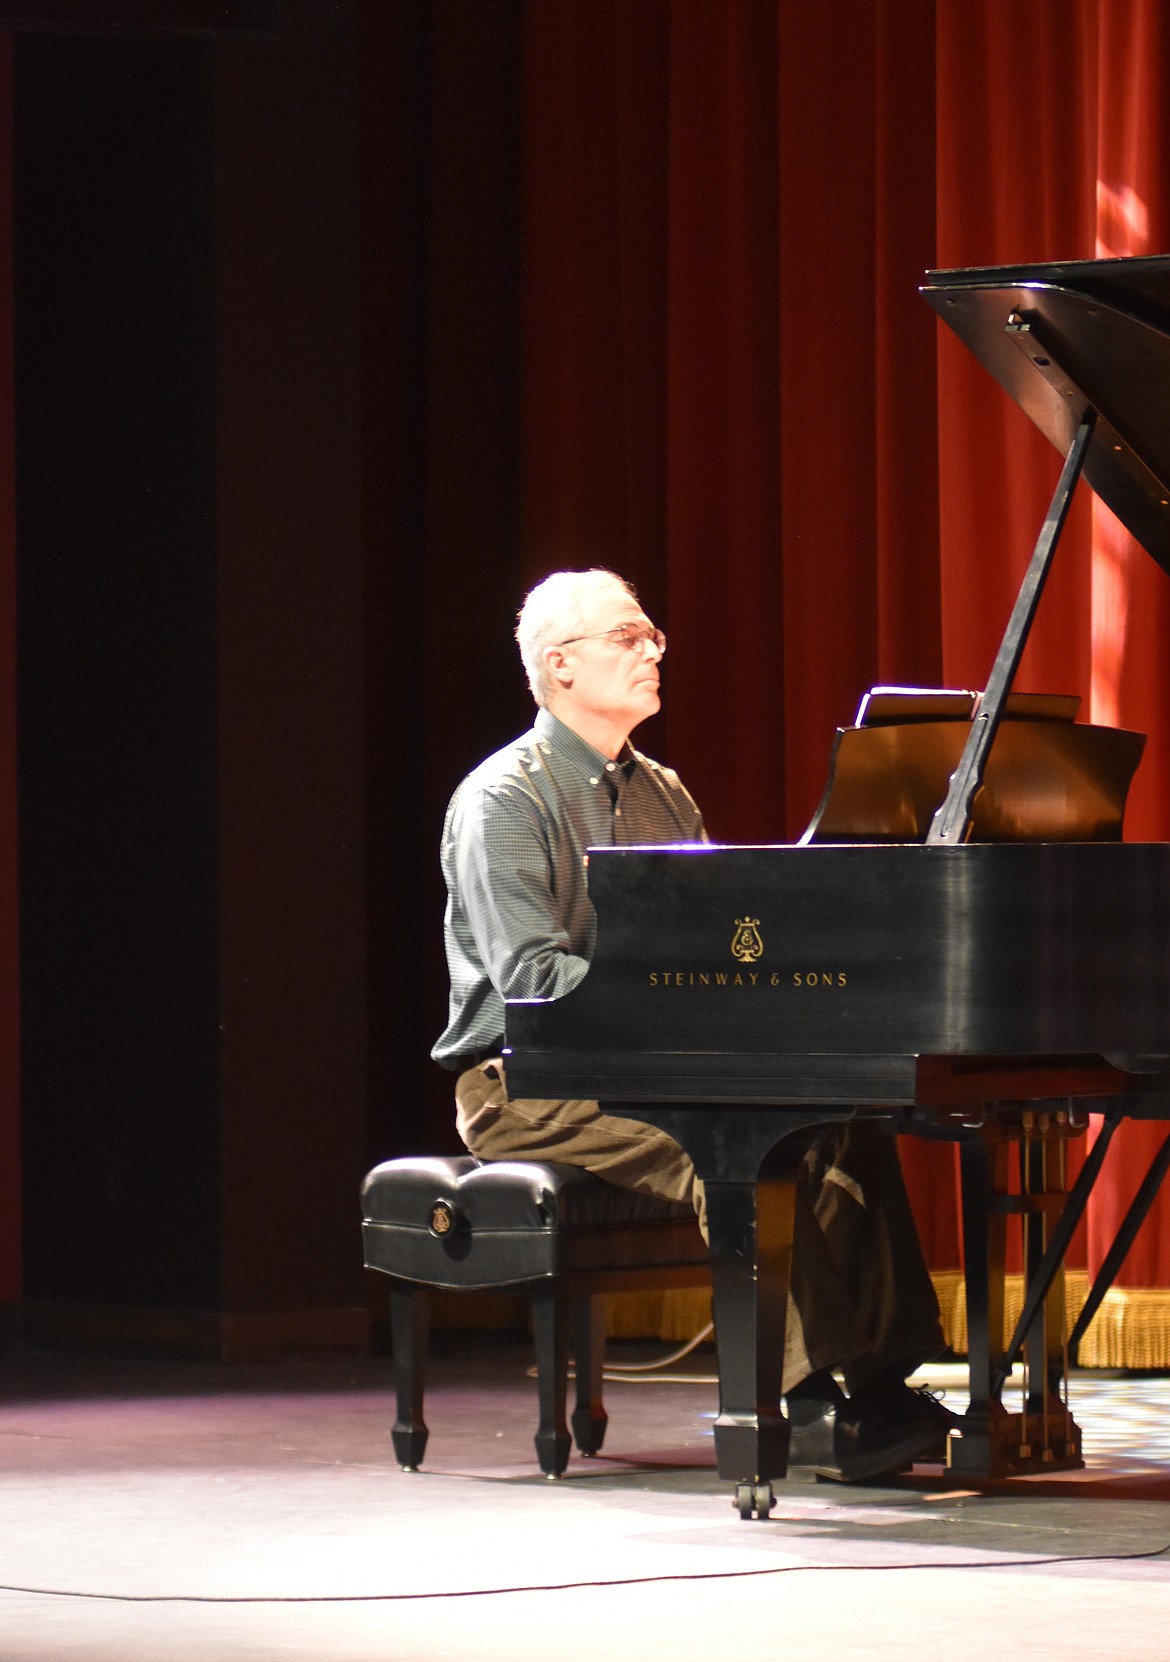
{"x":554,"y":1233}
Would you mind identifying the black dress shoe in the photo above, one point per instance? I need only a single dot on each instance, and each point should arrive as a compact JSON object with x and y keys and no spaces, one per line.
{"x":810,"y":1441}
{"x":867,"y":1444}
{"x":855,"y":1445}
{"x":896,"y":1401}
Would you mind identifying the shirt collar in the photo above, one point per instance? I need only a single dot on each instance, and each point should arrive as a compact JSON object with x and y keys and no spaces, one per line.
{"x":592,"y":763}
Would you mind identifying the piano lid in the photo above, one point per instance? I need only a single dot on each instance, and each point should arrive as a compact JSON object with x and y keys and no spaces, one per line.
{"x":1060,"y":338}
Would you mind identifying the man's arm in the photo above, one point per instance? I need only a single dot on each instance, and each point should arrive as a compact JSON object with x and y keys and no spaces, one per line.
{"x":516,"y":905}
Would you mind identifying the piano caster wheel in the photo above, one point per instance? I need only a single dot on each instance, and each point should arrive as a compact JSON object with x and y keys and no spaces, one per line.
{"x":754,"y":1500}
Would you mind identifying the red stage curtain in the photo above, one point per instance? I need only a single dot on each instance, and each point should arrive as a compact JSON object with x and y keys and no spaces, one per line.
{"x":642,"y":286}
{"x":1052,"y":139}
{"x":730,"y":389}
{"x":706,"y":344}
{"x":1131,"y":603}
{"x":728,"y":380}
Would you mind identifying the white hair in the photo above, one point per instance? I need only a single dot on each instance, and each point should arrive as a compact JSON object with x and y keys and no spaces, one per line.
{"x":553,"y":612}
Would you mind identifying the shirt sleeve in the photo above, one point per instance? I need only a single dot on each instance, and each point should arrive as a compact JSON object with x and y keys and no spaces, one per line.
{"x":503,"y":871}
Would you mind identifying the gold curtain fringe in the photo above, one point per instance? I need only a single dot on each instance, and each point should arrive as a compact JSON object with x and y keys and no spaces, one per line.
{"x":676,"y":1313}
{"x":1130,"y":1330}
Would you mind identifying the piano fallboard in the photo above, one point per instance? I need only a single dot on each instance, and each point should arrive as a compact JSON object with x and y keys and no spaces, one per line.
{"x":846,"y":974}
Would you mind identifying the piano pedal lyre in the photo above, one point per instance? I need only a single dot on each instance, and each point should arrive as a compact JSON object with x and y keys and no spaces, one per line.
{"x":1042,"y":1435}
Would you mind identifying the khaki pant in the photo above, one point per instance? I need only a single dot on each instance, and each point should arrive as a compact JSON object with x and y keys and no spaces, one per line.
{"x":861,"y":1296}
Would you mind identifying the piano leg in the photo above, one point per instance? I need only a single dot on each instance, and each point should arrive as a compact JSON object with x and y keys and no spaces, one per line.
{"x":749,"y":1226}
{"x":751,"y":1249}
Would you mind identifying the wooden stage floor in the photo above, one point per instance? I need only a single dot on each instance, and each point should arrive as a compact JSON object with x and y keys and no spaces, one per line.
{"x":200,"y":1513}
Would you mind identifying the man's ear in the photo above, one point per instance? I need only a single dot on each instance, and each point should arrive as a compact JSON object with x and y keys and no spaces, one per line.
{"x":556,"y":665}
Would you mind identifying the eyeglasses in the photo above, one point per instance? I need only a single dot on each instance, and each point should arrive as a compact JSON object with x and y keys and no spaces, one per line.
{"x":636,"y":636}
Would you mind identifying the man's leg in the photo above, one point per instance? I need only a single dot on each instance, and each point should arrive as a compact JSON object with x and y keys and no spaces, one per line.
{"x":864,"y":1214}
{"x":869,"y":1308}
{"x":823,"y":1331}
{"x":847,"y":1255}
{"x":628,"y":1153}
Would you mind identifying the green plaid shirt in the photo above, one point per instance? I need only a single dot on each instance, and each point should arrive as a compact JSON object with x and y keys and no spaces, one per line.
{"x":519,"y":920}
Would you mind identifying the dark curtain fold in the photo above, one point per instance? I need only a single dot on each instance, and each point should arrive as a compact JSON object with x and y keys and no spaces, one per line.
{"x":725,"y":675}
{"x":1015,"y":138}
{"x":592,"y":285}
{"x":828,"y":224}
{"x":10,"y":1186}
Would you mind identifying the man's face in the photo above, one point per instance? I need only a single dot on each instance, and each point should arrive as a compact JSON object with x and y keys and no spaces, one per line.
{"x":610,"y":679}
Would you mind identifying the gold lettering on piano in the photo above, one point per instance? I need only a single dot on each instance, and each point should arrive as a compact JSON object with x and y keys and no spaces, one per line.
{"x":705,"y":978}
{"x":802,"y":978}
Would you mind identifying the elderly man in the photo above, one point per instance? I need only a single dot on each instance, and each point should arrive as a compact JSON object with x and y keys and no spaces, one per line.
{"x":520,"y":924}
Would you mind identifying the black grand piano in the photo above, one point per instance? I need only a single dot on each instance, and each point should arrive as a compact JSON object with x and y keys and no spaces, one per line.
{"x":960,"y":945}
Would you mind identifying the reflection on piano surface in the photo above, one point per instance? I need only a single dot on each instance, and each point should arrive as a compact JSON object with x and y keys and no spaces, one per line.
{"x":961,"y":943}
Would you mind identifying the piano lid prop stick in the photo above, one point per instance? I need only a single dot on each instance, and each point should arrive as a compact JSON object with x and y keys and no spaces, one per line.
{"x":951,"y":824}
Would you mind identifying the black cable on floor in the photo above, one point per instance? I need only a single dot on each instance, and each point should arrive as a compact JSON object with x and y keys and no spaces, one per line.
{"x":579,"y":1586}
{"x":620,"y":1373}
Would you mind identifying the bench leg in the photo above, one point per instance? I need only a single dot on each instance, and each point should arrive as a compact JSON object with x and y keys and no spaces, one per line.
{"x":409,"y":1326}
{"x":550,"y":1327}
{"x":590,"y":1319}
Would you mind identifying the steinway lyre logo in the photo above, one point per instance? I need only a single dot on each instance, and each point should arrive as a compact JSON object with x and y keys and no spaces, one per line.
{"x":442,"y":1218}
{"x":747,"y":944}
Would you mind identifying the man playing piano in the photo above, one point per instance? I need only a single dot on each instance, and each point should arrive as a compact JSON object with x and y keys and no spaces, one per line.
{"x":520,"y":924}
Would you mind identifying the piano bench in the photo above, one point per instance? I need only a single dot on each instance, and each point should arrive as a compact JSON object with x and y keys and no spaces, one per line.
{"x":554,"y":1233}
